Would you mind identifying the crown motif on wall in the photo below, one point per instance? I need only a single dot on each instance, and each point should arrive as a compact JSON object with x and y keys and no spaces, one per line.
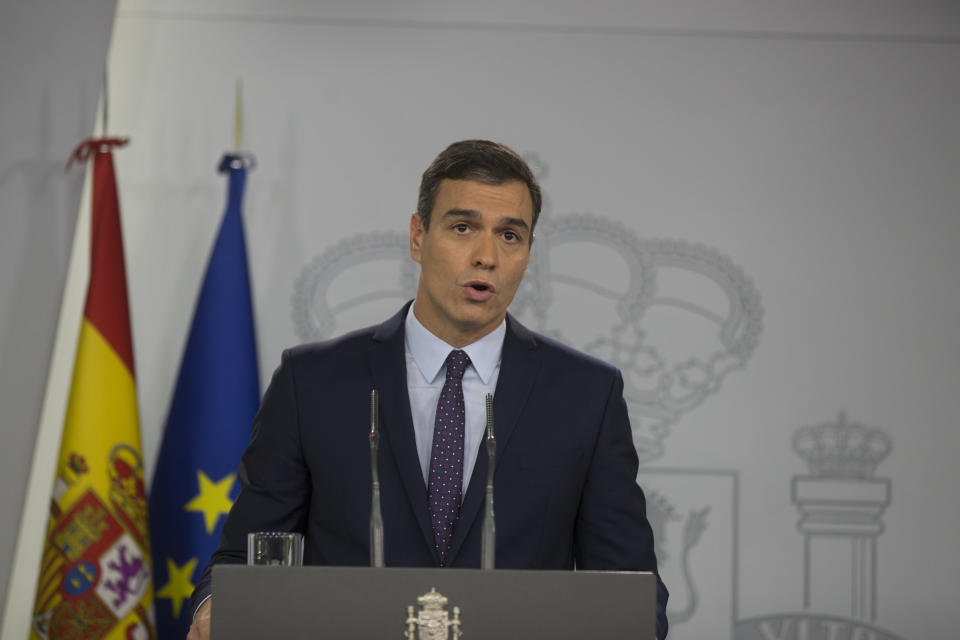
{"x":841,"y":449}
{"x":674,"y":316}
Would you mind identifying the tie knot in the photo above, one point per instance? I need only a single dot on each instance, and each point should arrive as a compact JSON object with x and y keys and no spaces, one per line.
{"x":457,"y":363}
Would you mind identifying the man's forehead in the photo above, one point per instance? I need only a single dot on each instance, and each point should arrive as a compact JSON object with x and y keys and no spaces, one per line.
{"x":510,"y":199}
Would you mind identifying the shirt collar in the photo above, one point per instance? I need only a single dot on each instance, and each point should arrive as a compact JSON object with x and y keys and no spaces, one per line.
{"x":430,"y":352}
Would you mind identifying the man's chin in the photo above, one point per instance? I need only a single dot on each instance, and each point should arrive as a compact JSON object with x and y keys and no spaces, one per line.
{"x":482,"y":323}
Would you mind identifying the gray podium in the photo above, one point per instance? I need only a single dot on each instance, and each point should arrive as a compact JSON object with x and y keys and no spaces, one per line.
{"x":255,"y":603}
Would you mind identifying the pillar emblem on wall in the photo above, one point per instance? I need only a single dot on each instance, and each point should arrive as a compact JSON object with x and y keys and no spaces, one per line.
{"x":841,"y":502}
{"x":841,"y":498}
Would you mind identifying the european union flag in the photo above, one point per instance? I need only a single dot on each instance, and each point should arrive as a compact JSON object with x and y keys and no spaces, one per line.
{"x":208,"y":428}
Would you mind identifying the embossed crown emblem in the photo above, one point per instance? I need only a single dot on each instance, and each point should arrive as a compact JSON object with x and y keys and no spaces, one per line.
{"x":432,"y":600}
{"x":675,"y":317}
{"x":432,"y":622}
{"x":841,"y":449}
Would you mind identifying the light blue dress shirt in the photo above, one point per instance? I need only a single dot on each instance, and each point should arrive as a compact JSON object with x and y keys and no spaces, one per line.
{"x":426,"y":372}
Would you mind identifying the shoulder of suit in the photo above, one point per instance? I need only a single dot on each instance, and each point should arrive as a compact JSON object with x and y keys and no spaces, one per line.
{"x":354,"y":341}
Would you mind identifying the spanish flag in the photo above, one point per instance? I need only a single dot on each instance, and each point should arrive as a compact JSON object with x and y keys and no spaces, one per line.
{"x":95,"y":573}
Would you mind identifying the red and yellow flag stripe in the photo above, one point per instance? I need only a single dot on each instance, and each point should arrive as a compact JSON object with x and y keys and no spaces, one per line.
{"x":95,"y":580}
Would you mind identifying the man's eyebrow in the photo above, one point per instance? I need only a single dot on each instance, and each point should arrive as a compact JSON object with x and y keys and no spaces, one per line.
{"x":516,"y":222}
{"x":473,"y":214}
{"x":462,"y":213}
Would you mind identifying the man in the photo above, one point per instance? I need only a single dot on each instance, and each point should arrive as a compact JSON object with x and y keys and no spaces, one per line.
{"x":566,"y":490}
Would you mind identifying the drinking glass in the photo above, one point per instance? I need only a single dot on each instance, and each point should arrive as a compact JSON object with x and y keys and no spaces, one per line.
{"x":277,"y":548}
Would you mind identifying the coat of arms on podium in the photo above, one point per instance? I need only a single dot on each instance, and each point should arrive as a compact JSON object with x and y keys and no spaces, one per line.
{"x":432,"y":622}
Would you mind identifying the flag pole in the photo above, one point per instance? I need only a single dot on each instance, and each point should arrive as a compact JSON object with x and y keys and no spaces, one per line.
{"x":238,"y":118}
{"x":106,"y":101}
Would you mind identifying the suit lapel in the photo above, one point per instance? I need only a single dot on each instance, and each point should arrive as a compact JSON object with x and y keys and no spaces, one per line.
{"x":519,"y":366}
{"x":388,"y":365}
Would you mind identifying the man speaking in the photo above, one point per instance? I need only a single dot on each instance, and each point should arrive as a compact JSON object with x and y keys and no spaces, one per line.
{"x":566,"y":490}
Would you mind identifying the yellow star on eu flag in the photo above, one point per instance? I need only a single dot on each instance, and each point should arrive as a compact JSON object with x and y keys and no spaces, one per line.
{"x":178,"y":587}
{"x":213,"y":499}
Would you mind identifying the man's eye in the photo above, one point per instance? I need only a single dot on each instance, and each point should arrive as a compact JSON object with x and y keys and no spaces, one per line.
{"x":461,"y":228}
{"x":510,"y":236}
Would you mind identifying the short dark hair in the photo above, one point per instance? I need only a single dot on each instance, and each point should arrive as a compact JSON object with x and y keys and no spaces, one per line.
{"x":480,"y":160}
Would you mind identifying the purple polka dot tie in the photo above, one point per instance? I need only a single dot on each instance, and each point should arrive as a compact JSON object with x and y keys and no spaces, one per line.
{"x":446,"y":455}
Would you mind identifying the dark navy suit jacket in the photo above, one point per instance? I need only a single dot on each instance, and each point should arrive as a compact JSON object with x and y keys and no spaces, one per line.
{"x":565,"y":484}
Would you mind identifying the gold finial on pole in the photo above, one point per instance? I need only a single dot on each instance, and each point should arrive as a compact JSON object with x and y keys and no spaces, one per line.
{"x":238,"y":118}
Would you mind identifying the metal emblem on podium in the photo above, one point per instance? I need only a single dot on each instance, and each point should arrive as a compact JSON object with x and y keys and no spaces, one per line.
{"x":432,"y":621}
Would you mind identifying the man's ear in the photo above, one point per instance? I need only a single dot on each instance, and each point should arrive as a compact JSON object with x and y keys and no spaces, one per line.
{"x":416,"y":236}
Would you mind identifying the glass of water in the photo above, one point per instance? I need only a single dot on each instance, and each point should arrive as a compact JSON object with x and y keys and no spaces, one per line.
{"x":277,"y":548}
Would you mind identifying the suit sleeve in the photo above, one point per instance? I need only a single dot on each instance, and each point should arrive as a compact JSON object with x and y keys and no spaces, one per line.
{"x":274,"y":478}
{"x":612,"y":530}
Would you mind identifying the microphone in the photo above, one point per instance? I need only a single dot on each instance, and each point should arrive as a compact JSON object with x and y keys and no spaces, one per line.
{"x":376,"y":517}
{"x":489,"y":537}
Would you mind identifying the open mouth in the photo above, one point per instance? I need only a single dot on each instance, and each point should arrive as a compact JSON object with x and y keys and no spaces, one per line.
{"x":478,"y":290}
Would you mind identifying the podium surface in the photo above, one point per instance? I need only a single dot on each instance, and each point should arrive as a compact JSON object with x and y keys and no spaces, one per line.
{"x":359,"y":602}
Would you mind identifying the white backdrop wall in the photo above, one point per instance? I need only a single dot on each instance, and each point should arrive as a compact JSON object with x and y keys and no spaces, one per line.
{"x":752,"y":208}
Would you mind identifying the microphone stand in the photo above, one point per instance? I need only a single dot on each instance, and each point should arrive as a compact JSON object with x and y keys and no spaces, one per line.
{"x":488,"y":539}
{"x":376,"y":517}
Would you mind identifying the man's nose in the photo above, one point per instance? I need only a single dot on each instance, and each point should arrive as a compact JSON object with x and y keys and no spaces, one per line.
{"x":484,"y":251}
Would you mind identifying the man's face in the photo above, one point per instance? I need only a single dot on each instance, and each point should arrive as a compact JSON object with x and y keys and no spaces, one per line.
{"x":472,"y":258}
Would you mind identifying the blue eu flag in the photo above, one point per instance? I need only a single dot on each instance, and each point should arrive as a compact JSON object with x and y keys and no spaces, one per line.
{"x":208,"y":428}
